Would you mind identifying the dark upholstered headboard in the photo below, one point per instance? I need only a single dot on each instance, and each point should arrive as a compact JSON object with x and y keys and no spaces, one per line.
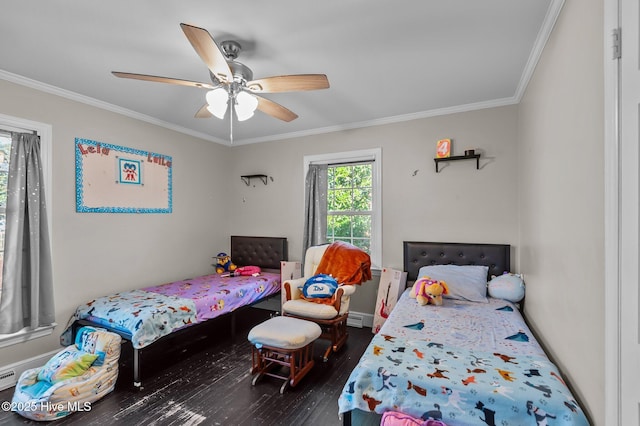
{"x":265,"y":252}
{"x":417,"y":254}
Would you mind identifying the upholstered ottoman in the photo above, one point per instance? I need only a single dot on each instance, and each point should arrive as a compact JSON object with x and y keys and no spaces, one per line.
{"x":283,"y":341}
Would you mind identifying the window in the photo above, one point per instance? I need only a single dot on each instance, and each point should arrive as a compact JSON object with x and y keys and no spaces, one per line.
{"x":10,"y":124}
{"x":353,"y":199}
{"x":349,"y":204}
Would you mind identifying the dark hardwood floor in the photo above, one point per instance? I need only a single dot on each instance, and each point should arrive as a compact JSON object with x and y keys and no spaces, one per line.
{"x":207,"y":382}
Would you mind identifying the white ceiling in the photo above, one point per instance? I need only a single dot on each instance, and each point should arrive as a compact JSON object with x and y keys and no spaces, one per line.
{"x":386,"y":61}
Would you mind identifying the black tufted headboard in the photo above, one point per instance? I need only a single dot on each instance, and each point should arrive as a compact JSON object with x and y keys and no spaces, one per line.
{"x":417,"y":254}
{"x":265,"y":252}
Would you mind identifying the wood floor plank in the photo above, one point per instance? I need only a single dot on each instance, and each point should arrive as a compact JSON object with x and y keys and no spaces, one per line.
{"x":209,"y":383}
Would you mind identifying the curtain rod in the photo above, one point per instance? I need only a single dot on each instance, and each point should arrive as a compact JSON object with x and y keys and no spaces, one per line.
{"x":10,"y":133}
{"x":10,"y":129}
{"x":346,"y":163}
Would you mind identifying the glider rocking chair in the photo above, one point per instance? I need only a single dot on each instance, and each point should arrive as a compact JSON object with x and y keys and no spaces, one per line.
{"x":332,"y":314}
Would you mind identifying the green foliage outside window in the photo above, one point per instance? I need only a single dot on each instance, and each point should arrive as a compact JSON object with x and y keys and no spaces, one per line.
{"x":349,"y":204}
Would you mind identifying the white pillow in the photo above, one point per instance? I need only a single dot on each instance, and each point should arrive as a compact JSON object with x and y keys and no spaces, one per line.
{"x":467,"y":282}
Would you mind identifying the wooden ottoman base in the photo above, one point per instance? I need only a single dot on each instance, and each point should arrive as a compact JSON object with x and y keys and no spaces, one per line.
{"x":266,"y":359}
{"x":283,"y":342}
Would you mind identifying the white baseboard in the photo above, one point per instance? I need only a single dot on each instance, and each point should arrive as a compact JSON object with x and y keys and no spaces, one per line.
{"x":9,"y":374}
{"x":359,"y":320}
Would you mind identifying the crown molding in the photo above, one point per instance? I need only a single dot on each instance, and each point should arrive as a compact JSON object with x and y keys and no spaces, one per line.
{"x":541,"y":40}
{"x":382,"y":121}
{"x":47,"y":88}
{"x":543,"y":36}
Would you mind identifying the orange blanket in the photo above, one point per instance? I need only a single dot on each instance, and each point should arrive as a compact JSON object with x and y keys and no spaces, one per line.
{"x":346,"y":263}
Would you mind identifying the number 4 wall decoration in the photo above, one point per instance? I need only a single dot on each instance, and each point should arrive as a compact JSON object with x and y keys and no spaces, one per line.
{"x":443,"y":148}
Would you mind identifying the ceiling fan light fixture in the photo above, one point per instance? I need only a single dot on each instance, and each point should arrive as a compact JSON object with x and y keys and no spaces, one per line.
{"x":245,"y":105}
{"x":217,"y":100}
{"x":232,"y":84}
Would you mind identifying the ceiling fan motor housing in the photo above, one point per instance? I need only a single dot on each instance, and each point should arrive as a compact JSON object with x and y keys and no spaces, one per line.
{"x":241,"y":72}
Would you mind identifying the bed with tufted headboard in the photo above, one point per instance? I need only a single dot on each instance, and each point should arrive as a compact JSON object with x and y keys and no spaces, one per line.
{"x":497,"y":257}
{"x":149,"y":315}
{"x":466,"y":362}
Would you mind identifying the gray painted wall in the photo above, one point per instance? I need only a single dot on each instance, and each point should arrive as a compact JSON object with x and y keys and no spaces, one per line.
{"x":459,"y":204}
{"x":540,"y":189}
{"x":561,"y":204}
{"x":95,"y":254}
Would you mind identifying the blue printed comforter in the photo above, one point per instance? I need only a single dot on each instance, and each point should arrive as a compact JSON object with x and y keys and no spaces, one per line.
{"x":463,"y":363}
{"x":145,"y":315}
{"x":141,"y":315}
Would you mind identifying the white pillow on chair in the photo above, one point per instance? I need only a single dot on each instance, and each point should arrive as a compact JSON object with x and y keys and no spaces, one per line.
{"x":303,"y":308}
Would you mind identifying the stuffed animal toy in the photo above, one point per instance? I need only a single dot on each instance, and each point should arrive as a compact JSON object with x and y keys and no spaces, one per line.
{"x":248,"y":271}
{"x":224,"y":263}
{"x":507,"y":286}
{"x":425,"y":291}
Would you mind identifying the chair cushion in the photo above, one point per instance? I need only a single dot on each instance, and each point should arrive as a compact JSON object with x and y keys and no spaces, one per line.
{"x":63,"y":386}
{"x":37,"y":389}
{"x":312,"y":259}
{"x":95,"y":341}
{"x":69,"y":362}
{"x":303,"y":308}
{"x":284,"y":333}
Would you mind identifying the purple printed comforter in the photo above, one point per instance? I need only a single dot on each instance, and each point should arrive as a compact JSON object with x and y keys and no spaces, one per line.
{"x":215,"y":295}
{"x":150,"y":313}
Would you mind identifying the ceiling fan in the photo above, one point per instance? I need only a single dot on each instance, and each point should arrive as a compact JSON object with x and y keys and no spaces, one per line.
{"x":232,"y":85}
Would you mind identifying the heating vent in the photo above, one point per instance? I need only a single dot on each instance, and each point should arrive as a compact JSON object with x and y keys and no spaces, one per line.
{"x":7,"y":379}
{"x":355,"y":320}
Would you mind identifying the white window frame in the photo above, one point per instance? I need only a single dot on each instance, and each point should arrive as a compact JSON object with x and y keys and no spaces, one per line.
{"x":43,"y":130}
{"x":375,"y":155}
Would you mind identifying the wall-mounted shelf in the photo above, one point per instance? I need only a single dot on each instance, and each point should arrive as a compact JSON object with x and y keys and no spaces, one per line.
{"x":247,"y":178}
{"x":458,"y":157}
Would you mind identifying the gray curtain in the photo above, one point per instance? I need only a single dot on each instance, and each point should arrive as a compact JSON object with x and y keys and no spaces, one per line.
{"x":315,"y":210}
{"x":27,"y":284}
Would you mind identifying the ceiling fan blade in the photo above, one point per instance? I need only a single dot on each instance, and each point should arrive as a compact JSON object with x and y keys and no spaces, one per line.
{"x":209,"y":51}
{"x":289,"y":83}
{"x":167,"y":80}
{"x":203,"y":112}
{"x":275,"y":110}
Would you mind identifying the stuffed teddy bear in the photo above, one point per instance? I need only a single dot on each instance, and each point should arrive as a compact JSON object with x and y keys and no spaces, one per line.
{"x":224,"y":264}
{"x":425,"y":291}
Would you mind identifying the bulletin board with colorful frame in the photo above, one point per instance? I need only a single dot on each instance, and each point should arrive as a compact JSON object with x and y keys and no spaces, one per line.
{"x":117,"y":179}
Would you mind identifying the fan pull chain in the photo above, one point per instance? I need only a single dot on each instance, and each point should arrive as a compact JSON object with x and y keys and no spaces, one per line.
{"x":230,"y":120}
